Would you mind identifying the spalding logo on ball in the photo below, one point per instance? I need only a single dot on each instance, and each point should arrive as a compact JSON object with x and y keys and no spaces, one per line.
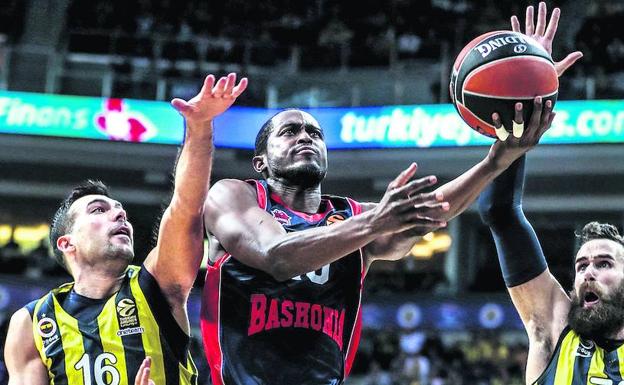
{"x":497,"y":70}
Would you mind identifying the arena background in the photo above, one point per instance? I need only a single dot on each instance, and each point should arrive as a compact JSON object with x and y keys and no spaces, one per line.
{"x":439,"y":316}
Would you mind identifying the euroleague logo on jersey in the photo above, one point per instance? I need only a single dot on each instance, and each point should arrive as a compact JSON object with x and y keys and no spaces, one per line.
{"x":334,"y":218}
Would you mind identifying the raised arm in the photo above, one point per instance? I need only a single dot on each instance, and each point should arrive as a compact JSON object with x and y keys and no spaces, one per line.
{"x":20,"y":354}
{"x":256,"y":239}
{"x":175,"y":259}
{"x":462,"y":191}
{"x":540,"y":300}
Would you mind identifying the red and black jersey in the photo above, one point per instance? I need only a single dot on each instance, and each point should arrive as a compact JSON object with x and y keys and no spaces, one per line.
{"x":305,"y":330}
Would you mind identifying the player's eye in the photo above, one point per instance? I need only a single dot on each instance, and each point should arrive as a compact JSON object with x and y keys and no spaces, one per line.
{"x":580,"y":268}
{"x":604,"y":264}
{"x":97,"y":209}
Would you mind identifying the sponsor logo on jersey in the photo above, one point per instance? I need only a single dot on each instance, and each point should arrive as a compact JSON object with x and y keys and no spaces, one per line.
{"x":273,"y":313}
{"x":127,"y":332}
{"x":281,"y":216}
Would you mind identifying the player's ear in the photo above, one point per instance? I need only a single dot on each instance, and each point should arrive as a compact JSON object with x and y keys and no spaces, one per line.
{"x":64,"y":243}
{"x":259,"y":163}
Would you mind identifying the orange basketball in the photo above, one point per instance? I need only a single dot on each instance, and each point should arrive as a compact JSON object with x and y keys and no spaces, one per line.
{"x":496,"y":70}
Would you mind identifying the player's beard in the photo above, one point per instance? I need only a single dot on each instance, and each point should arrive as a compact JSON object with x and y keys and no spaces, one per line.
{"x":602,"y":320}
{"x":305,"y":176}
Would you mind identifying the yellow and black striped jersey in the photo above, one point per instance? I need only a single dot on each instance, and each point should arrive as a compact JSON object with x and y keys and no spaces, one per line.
{"x":83,"y":341}
{"x":579,"y":361}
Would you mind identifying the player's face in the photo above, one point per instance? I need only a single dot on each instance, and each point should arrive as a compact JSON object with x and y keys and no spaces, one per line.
{"x":100,"y":231}
{"x":598,"y":295}
{"x":296,"y":149}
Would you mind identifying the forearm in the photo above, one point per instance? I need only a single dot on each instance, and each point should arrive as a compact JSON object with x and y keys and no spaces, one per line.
{"x":519,"y":252}
{"x":176,"y":259}
{"x":300,"y":252}
{"x":462,"y":191}
{"x":192,"y":172}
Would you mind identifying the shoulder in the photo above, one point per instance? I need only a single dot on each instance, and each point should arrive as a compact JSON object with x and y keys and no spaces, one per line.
{"x":20,"y":331}
{"x":232,"y":187}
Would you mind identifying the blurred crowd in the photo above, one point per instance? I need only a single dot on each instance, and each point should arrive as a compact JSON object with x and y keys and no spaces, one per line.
{"x":309,"y":35}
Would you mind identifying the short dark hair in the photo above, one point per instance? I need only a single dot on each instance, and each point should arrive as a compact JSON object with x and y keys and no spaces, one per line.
{"x":597,"y":230}
{"x":263,"y":137}
{"x":62,"y":223}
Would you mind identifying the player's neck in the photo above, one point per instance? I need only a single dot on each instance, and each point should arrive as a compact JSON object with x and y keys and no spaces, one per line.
{"x":97,"y":282}
{"x":306,"y":200}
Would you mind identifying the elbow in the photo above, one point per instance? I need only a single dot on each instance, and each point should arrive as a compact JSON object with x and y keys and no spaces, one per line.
{"x":277,"y":266}
{"x":278,"y":269}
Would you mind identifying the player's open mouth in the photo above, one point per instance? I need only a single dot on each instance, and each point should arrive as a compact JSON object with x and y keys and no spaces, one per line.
{"x":122,"y":230}
{"x":590,"y":299}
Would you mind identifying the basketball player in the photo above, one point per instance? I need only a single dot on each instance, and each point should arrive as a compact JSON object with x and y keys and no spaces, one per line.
{"x":575,"y":338}
{"x":281,"y":305}
{"x":100,"y":328}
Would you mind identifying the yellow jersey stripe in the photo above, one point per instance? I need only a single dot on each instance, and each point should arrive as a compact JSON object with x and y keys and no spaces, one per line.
{"x":151,"y":338}
{"x":72,"y":341}
{"x":111,"y":342}
{"x":597,"y":366}
{"x":565,"y":368}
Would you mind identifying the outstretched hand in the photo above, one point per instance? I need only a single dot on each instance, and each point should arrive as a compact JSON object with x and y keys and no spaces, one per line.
{"x":511,"y":146}
{"x":212,"y":100}
{"x":545,"y":34}
{"x":405,"y":207}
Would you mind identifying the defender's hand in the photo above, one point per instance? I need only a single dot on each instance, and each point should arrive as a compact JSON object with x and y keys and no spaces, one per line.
{"x":545,"y":34}
{"x":212,"y":100}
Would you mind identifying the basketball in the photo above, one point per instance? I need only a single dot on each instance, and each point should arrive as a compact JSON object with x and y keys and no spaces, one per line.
{"x":497,"y":70}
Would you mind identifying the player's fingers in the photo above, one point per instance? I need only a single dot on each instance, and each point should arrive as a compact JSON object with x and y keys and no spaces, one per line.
{"x":415,"y":186}
{"x":566,"y":63}
{"x":181,"y":105}
{"x":529,"y":27}
{"x":541,"y":19}
{"x":515,"y":24}
{"x":240,"y":88}
{"x":434,"y":196}
{"x":229,"y":84}
{"x":501,"y":133}
{"x":553,"y":24}
{"x":536,"y":116}
{"x":423,"y":221}
{"x":219,"y":88}
{"x":208,"y":84}
{"x":547,"y":125}
{"x":403,"y":177}
{"x":518,"y":121}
